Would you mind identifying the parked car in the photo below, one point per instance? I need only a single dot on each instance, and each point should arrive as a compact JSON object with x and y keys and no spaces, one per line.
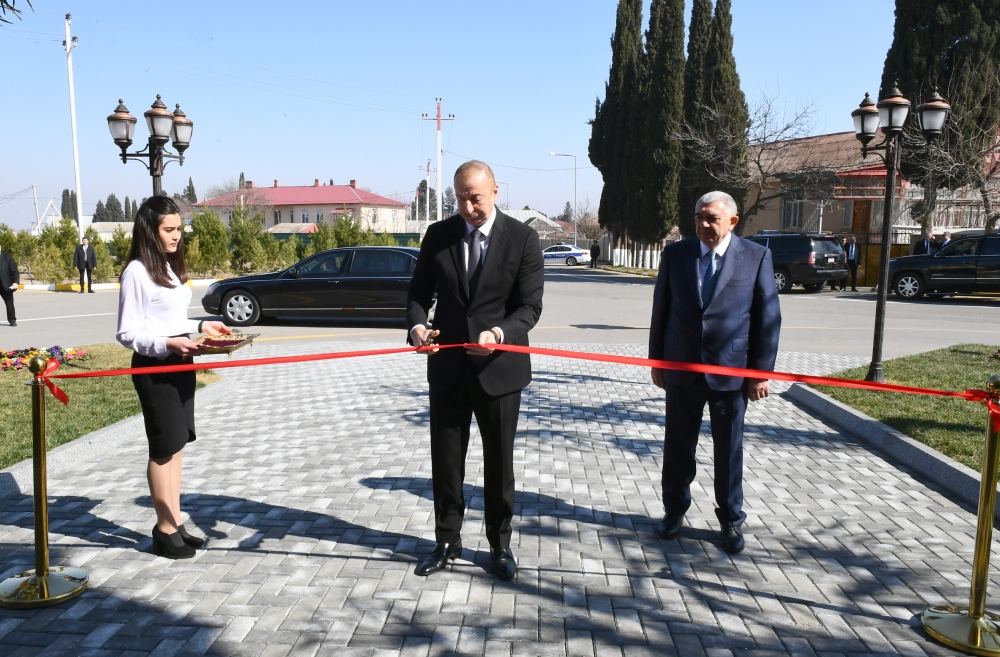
{"x":365,"y":282}
{"x":967,"y":265}
{"x":803,"y":259}
{"x":571,"y":255}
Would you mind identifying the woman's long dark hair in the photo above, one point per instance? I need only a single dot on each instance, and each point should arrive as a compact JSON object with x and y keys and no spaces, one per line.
{"x":146,"y":246}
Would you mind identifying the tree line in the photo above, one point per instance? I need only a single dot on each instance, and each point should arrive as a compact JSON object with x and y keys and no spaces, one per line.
{"x":672,"y":127}
{"x":212,"y":248}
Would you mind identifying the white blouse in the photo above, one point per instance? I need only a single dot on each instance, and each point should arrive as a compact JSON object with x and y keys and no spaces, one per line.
{"x":148,"y":313}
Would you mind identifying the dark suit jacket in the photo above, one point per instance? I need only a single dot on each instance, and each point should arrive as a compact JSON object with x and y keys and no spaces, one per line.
{"x":81,"y":262}
{"x":856,"y":255}
{"x":740,"y":326}
{"x":923,"y":247}
{"x":8,"y":271}
{"x":508,"y":295}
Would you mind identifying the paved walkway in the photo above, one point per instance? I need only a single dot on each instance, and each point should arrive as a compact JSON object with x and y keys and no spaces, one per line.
{"x":312,"y":483}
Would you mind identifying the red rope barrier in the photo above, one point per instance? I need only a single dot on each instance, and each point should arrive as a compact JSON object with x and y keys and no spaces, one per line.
{"x":974,"y":395}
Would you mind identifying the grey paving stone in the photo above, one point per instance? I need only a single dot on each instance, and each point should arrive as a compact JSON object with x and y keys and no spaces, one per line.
{"x":312,"y":484}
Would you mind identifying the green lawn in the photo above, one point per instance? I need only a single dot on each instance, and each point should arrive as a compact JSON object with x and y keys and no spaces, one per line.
{"x":93,"y":403}
{"x":953,"y":427}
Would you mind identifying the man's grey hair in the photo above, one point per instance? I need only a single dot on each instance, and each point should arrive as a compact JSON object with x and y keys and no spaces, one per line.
{"x":725,"y":199}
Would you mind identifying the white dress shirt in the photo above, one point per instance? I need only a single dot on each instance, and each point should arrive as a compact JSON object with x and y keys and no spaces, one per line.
{"x":149,"y":313}
{"x":720,"y":251}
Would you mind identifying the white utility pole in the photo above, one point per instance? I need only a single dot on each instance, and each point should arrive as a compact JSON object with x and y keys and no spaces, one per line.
{"x":34,"y":195}
{"x":438,"y":118}
{"x":575,"y":216}
{"x":68,"y":45}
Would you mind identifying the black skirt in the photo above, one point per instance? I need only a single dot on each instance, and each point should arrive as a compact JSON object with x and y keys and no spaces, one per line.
{"x":167,"y":401}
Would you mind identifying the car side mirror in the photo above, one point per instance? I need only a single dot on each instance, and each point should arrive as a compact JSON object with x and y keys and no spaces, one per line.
{"x":293,"y":272}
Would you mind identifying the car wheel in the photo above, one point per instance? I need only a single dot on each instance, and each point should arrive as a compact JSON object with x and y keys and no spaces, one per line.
{"x":240,"y":308}
{"x":814,"y":287}
{"x":781,"y":281}
{"x":571,"y":261}
{"x":909,"y":286}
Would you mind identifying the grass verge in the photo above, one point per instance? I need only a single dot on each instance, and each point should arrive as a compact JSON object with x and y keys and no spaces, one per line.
{"x":93,"y":403}
{"x":953,"y":427}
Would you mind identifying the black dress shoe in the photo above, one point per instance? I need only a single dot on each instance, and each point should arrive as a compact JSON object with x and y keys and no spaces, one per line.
{"x":670,"y":526}
{"x":171,"y":546}
{"x":13,"y":322}
{"x":504,"y":565}
{"x":439,"y":558}
{"x":732,"y":539}
{"x":190,"y":539}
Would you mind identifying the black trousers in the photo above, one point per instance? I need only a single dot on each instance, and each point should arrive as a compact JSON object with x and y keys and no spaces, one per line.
{"x":452,"y":409}
{"x":685,"y":405}
{"x":853,"y":269}
{"x":87,"y":274}
{"x":8,"y":300}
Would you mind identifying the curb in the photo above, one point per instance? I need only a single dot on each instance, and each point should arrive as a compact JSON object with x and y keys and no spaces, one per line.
{"x":958,"y":480}
{"x":75,"y":287}
{"x":18,"y":479}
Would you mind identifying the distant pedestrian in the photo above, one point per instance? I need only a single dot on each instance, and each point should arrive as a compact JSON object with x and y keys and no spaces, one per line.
{"x":853,"y":255}
{"x":924,"y":246}
{"x":9,"y":281}
{"x":85,"y":261}
{"x":595,"y":254}
{"x":945,"y":240}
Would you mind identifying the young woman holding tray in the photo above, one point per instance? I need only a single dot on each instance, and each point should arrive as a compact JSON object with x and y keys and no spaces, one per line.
{"x":152,"y":321}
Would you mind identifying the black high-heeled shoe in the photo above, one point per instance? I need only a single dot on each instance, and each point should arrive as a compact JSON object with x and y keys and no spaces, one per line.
{"x":189,"y":538}
{"x":171,"y":546}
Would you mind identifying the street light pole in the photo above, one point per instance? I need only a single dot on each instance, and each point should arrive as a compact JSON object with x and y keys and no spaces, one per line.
{"x":163,"y":126}
{"x":68,"y":44}
{"x":891,"y":113}
{"x":575,"y":215}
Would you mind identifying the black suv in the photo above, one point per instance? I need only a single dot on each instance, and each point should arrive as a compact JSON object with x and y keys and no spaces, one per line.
{"x":800,"y":258}
{"x":965,"y":265}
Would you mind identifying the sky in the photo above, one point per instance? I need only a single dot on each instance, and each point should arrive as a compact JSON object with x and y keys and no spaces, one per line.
{"x":297,"y":90}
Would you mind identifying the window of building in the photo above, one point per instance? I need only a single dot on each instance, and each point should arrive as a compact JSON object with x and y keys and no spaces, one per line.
{"x":305,"y":216}
{"x":319,"y":216}
{"x":291,"y":215}
{"x":792,"y":213}
{"x":277,"y":217}
{"x":848,"y":217}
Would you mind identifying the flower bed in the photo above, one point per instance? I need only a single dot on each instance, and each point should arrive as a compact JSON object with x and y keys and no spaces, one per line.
{"x":18,"y":358}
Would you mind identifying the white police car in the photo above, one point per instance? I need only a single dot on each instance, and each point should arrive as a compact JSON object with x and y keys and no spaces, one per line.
{"x":571,"y":255}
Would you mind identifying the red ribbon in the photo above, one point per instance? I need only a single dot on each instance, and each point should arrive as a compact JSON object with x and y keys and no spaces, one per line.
{"x":974,"y":395}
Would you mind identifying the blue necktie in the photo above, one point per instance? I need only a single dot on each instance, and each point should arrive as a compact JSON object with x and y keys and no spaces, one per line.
{"x":710,"y":278}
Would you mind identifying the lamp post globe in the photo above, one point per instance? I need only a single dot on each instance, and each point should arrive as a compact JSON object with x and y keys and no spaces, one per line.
{"x":164,"y":126}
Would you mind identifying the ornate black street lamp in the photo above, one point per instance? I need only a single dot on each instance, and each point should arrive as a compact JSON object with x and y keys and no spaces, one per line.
{"x":890,"y":113}
{"x":163,"y":126}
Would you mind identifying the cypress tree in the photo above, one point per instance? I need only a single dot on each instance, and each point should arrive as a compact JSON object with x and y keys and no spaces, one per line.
{"x":113,"y":209}
{"x":693,"y":172}
{"x":100,"y":214}
{"x":135,"y":209}
{"x":612,"y":133}
{"x":726,"y":117}
{"x":66,"y":206}
{"x":189,"y":194}
{"x":662,"y":107}
{"x":952,"y":46}
{"x":128,"y":209}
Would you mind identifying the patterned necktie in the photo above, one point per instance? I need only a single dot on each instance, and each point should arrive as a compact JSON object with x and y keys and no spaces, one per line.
{"x":711,"y":275}
{"x":475,"y":253}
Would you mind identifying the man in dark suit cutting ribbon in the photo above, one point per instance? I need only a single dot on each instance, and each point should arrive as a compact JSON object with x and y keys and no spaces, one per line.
{"x":715,"y":303}
{"x":486,"y":271}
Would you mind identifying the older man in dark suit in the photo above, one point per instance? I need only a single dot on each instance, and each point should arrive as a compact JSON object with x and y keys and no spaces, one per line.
{"x":85,"y":261}
{"x":10,"y":279}
{"x":486,"y":271}
{"x":715,"y":303}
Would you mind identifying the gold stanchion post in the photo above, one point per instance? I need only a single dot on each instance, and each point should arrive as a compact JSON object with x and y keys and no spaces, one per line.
{"x":43,"y":585}
{"x":974,"y":630}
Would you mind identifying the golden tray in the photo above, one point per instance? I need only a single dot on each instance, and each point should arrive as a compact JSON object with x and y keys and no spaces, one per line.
{"x":224,"y":344}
